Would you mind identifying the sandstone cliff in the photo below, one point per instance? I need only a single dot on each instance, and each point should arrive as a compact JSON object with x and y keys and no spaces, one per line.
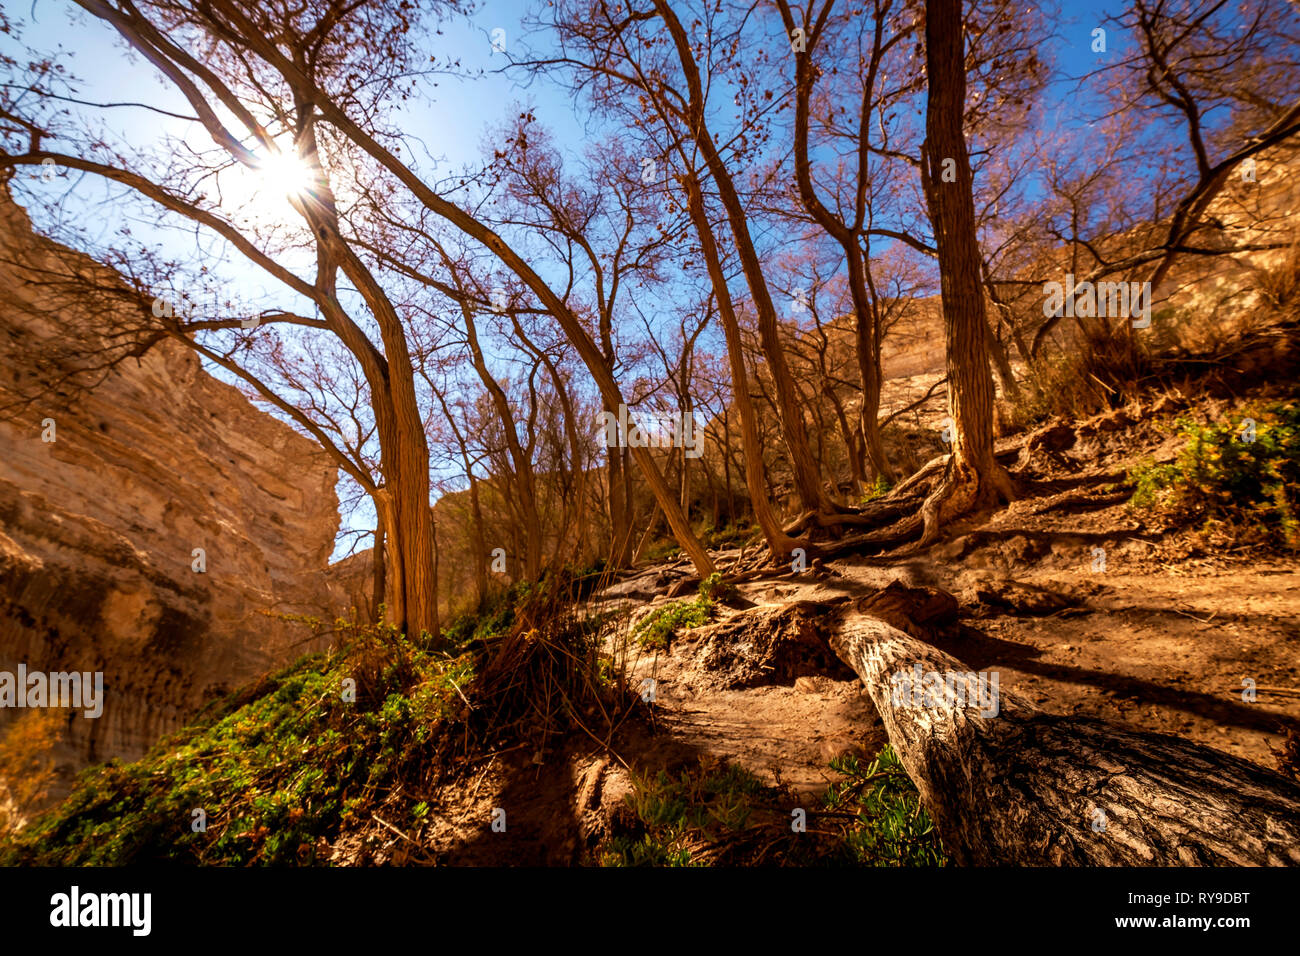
{"x":98,"y":528}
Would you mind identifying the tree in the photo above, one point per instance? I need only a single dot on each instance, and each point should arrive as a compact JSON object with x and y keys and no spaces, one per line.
{"x":319,"y":80}
{"x":973,"y":478}
{"x":645,"y":67}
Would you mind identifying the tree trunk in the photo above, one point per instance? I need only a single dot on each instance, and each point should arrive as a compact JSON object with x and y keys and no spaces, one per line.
{"x":807,"y":479}
{"x":436,"y":558}
{"x":378,"y":580}
{"x":973,"y":478}
{"x":1025,"y":788}
{"x":866,"y":334}
{"x":394,"y":595}
{"x":1010,"y":388}
{"x":1002,"y":362}
{"x":413,"y":530}
{"x":526,"y":485}
{"x":685,"y":485}
{"x":620,"y":519}
{"x":861,"y":289}
{"x":779,"y":543}
{"x":576,"y":507}
{"x":726,"y":465}
{"x":404,"y":447}
{"x":857,"y":477}
{"x":574,"y":330}
{"x":480,"y":540}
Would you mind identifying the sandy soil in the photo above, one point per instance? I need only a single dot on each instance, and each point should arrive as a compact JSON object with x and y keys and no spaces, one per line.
{"x":1080,"y":604}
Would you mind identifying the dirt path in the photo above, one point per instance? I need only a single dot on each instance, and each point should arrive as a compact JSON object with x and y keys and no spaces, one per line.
{"x":1068,"y":594}
{"x":1075,"y":600}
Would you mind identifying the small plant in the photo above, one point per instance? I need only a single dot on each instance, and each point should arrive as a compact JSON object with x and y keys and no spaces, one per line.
{"x":731,"y":536}
{"x":662,"y":550}
{"x":892,"y":827}
{"x":1241,"y":476}
{"x":722,"y":815}
{"x":683,"y":814}
{"x":714,"y":588}
{"x":656,"y":629}
{"x":878,"y":489}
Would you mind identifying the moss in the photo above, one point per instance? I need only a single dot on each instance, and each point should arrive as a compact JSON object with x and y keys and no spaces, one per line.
{"x":274,"y":768}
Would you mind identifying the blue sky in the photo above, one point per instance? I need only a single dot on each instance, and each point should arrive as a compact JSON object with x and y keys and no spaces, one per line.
{"x":450,"y":123}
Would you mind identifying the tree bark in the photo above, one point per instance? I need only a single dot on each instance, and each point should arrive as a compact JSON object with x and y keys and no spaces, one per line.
{"x":779,"y":543}
{"x":1028,"y":788}
{"x":478,"y":540}
{"x":575,"y":507}
{"x":866,"y":330}
{"x":577,"y":335}
{"x":866,"y":324}
{"x":857,"y":477}
{"x":973,"y":478}
{"x":620,"y":508}
{"x":1002,"y":362}
{"x":525,"y":484}
{"x":378,"y":579}
{"x":807,"y":479}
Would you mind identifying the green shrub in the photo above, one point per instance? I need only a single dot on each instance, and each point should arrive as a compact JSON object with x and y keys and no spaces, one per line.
{"x":714,"y":588}
{"x":664,"y":549}
{"x":878,"y":489}
{"x":656,"y":629}
{"x":693,"y":808}
{"x":892,"y":828}
{"x":729,"y":537}
{"x":1227,"y":482}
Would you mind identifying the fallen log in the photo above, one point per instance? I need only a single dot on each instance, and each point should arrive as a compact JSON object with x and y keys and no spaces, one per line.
{"x":1008,"y":784}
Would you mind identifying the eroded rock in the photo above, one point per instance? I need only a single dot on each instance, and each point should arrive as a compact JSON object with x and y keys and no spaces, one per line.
{"x":157,"y":470}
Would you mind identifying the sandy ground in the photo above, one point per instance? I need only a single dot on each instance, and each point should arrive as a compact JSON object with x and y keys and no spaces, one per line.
{"x":1079,"y":603}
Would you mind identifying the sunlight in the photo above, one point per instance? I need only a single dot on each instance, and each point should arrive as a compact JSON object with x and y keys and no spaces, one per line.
{"x":284,"y":174}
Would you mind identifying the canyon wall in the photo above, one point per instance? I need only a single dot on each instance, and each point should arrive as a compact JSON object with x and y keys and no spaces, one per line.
{"x":99,"y":526}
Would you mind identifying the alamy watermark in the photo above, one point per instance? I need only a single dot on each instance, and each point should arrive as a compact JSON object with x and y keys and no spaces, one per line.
{"x":83,"y":691}
{"x":921,"y":688}
{"x":77,"y":909}
{"x":213,"y":305}
{"x":621,"y":432}
{"x":1086,"y":300}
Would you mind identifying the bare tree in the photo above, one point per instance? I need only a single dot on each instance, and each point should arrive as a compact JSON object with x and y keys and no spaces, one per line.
{"x":973,"y":477}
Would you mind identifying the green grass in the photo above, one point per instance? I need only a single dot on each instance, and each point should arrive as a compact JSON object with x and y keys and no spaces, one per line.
{"x":730,"y":536}
{"x":321,"y":749}
{"x":682,"y":810}
{"x":723,"y":815}
{"x":1230,"y":482}
{"x":892,"y":828}
{"x":275,"y":767}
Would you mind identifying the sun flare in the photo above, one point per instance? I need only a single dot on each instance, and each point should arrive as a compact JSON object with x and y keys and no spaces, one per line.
{"x":284,"y":174}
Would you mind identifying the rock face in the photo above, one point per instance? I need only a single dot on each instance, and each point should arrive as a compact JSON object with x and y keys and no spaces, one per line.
{"x":99,"y":527}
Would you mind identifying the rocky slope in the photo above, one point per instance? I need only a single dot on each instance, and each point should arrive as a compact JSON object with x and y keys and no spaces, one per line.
{"x":98,"y":528}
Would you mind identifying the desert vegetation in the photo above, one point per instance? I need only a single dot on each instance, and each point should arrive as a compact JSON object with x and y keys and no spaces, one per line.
{"x":691,"y":373}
